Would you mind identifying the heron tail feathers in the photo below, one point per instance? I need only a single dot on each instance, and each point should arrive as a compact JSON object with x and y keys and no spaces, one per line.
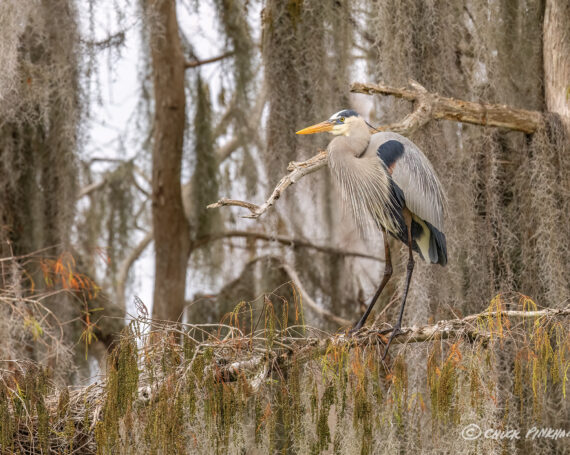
{"x":437,"y":246}
{"x":429,"y":241}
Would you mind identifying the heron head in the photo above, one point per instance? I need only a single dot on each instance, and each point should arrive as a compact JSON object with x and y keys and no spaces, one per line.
{"x":339,"y":124}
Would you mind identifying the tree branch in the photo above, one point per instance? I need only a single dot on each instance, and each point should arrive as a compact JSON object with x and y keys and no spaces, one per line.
{"x":439,"y":107}
{"x":468,"y":328}
{"x":196,"y":63}
{"x":92,"y":187}
{"x":287,"y":241}
{"x":297,"y":170}
{"x":126,"y":265}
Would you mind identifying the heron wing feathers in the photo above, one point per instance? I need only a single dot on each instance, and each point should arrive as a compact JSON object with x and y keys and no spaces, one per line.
{"x":413,"y":173}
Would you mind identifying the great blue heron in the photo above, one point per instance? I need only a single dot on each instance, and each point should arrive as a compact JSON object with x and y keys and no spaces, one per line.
{"x":384,"y":177}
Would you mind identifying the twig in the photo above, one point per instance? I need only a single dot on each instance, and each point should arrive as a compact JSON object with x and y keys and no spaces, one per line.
{"x":196,"y":63}
{"x":297,"y":170}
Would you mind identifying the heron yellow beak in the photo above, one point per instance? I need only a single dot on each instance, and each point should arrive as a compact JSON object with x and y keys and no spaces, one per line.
{"x":318,"y":128}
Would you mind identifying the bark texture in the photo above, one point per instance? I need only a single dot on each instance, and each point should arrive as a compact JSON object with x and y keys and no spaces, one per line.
{"x":170,"y":226}
{"x":557,"y":58}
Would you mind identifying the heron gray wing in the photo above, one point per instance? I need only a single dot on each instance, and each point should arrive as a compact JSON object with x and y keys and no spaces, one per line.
{"x":413,"y":173}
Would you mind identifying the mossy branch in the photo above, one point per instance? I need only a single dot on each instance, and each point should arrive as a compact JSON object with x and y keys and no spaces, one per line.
{"x":164,"y":372}
{"x":471,"y":327}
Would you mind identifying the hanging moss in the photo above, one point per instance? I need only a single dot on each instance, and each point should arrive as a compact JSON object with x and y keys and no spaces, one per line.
{"x":443,"y":381}
{"x":205,"y":178}
{"x":165,"y":417}
{"x":121,"y":390}
{"x":6,"y":421}
{"x":41,"y":111}
{"x":362,"y":415}
{"x":322,"y":427}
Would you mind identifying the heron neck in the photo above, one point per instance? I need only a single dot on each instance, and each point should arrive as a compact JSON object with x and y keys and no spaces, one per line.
{"x":355,"y":144}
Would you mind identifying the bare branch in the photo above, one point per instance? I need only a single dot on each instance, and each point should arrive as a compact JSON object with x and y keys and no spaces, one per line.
{"x":136,"y":170}
{"x":196,"y":63}
{"x":227,"y":149}
{"x":297,"y":170}
{"x":309,"y":302}
{"x":91,"y":188}
{"x":439,"y":107}
{"x":123,"y":273}
{"x":284,"y":240}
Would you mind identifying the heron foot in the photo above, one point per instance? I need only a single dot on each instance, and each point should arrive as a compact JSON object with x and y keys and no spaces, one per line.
{"x":395,"y":331}
{"x":354,"y":330}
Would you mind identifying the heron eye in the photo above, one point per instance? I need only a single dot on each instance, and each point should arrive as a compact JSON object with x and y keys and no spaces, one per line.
{"x":342,"y":119}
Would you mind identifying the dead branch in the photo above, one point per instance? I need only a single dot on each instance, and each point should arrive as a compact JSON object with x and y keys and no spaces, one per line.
{"x":196,"y":63}
{"x":297,"y":170}
{"x":126,"y":265}
{"x":440,"y":107}
{"x":284,"y":240}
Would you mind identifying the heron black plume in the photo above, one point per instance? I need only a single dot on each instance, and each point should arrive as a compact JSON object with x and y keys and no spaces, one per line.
{"x":345,"y":113}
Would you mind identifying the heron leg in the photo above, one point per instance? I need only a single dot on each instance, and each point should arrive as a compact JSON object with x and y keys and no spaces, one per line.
{"x":410,"y":269}
{"x":385,"y":278}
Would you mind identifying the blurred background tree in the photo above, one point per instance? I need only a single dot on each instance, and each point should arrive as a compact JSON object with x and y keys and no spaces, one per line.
{"x":121,"y":121}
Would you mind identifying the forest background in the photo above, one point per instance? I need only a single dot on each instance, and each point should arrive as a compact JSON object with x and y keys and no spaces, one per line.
{"x":120,"y":122}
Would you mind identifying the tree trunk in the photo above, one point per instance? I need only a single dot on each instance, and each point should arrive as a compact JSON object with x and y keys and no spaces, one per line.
{"x":556,"y":61}
{"x":170,"y":227}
